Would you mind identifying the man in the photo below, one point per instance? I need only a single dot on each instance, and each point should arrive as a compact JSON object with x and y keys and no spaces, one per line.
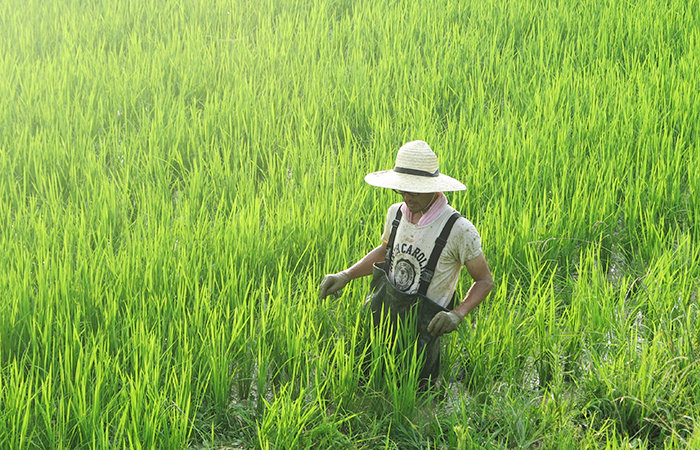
{"x":416,"y":264}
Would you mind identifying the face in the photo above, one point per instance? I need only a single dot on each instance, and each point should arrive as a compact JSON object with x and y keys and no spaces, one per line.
{"x":417,"y":203}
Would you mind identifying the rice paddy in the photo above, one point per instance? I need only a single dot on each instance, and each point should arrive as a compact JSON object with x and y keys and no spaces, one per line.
{"x":177,"y":177}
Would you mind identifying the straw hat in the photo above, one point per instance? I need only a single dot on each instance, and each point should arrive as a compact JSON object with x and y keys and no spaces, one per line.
{"x":416,"y":170}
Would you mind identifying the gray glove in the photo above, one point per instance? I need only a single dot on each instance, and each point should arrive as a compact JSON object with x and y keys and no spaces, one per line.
{"x":333,"y":284}
{"x":444,"y":322}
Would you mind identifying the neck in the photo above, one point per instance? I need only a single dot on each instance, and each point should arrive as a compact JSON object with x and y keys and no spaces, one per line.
{"x":432,"y":200}
{"x":417,"y":216}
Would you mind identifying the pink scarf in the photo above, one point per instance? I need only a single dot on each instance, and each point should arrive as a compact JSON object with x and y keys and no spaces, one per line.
{"x":431,"y":214}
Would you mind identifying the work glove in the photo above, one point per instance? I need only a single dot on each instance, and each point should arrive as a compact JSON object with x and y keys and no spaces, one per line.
{"x":333,"y":284}
{"x":444,"y":322}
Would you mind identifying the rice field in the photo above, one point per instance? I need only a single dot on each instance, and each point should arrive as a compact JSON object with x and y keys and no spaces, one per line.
{"x":176,"y":177}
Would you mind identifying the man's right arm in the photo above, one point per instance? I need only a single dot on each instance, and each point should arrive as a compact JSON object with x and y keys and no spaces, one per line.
{"x":334,"y":283}
{"x":364,"y":266}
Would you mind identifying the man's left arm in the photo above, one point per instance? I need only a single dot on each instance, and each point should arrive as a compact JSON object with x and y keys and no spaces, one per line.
{"x":447,"y":322}
{"x":483,"y":283}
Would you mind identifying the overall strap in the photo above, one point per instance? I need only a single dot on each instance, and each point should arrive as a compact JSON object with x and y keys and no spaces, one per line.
{"x":392,"y":237}
{"x":427,"y":274}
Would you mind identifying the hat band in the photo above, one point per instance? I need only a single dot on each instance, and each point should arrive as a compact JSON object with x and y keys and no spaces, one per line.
{"x":420,"y":173}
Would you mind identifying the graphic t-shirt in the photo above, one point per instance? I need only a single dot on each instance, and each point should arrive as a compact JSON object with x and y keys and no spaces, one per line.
{"x":413,"y":246}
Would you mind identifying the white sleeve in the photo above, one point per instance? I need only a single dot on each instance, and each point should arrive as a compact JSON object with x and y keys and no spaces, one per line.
{"x":465,"y":240}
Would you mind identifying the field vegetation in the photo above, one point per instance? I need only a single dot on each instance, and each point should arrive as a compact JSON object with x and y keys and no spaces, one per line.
{"x":176,"y":177}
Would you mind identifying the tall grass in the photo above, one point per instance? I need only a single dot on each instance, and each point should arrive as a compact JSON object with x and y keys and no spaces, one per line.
{"x":176,"y":178}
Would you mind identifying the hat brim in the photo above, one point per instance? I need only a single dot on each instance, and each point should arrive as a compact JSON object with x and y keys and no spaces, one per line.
{"x":389,"y":179}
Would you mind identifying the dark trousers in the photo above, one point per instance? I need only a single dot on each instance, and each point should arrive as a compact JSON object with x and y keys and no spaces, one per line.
{"x":410,"y":314}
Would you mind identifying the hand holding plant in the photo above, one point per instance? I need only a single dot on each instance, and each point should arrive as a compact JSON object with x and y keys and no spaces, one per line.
{"x":444,"y":322}
{"x":333,"y":284}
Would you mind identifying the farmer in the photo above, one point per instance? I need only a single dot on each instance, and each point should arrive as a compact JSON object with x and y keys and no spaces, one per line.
{"x":424,"y":246}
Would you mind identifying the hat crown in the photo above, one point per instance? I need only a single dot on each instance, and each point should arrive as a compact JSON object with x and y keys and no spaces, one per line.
{"x":417,"y":155}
